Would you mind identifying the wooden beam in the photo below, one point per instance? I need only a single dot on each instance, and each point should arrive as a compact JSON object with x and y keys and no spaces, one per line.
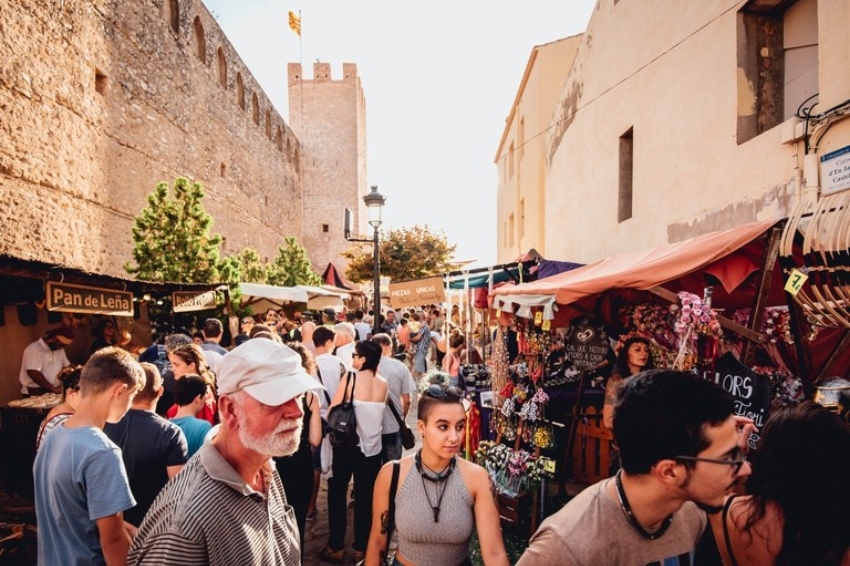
{"x":760,"y":299}
{"x":798,"y":325}
{"x":726,"y":323}
{"x":833,"y":358}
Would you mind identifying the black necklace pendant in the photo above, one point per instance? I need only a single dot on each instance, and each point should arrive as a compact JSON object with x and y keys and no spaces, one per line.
{"x":439,"y":482}
{"x":436,"y":514}
{"x":630,"y":516}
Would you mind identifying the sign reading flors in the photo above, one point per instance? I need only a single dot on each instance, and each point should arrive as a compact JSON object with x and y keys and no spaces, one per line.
{"x":188,"y":301}
{"x":586,"y":344}
{"x":750,"y":390}
{"x":415,"y":293}
{"x":65,"y":297}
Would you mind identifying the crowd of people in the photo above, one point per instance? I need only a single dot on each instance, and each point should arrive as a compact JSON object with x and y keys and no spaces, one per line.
{"x":196,"y":454}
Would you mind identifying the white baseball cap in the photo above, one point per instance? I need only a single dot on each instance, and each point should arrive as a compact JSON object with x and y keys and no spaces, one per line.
{"x":268,"y":371}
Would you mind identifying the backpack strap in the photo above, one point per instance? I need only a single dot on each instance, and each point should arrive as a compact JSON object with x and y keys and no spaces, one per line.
{"x":391,"y":514}
{"x":319,"y":375}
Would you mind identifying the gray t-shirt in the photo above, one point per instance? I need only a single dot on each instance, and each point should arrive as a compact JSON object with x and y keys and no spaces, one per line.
{"x":591,"y":530}
{"x":399,"y":382}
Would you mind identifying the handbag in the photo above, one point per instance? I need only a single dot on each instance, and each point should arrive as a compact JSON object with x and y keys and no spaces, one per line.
{"x":407,"y":438}
{"x":342,"y":421}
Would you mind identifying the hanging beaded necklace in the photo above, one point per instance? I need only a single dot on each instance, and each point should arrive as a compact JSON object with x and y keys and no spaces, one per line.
{"x":438,"y":479}
{"x":630,"y":516}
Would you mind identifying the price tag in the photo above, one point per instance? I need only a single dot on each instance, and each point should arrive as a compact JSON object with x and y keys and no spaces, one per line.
{"x":549,"y":465}
{"x":795,"y":281}
{"x":538,"y":317}
{"x":547,"y":324}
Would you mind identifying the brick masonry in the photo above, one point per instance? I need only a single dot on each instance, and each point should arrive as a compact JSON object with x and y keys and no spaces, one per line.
{"x":102,"y":99}
{"x":329,"y":118}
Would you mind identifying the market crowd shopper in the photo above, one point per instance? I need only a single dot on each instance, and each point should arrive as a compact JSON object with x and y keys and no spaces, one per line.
{"x":227,"y":506}
{"x":779,"y":521}
{"x":681,"y":451}
{"x":81,"y":488}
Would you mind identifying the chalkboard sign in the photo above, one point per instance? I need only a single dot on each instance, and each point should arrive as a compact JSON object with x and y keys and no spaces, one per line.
{"x":586,"y":344}
{"x":750,"y":390}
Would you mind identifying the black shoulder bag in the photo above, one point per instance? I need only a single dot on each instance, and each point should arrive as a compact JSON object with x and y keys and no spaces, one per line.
{"x":342,"y":421}
{"x":407,"y":438}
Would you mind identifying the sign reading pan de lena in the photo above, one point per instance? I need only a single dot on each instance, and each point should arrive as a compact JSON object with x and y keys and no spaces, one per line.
{"x":416,"y":293}
{"x":65,"y":297}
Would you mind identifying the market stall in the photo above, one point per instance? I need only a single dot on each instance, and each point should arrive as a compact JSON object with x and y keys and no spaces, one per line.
{"x":716,"y":304}
{"x":37,"y":297}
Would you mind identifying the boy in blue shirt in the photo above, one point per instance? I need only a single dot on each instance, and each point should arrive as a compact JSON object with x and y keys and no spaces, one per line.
{"x":81,"y":487}
{"x":189,"y":394}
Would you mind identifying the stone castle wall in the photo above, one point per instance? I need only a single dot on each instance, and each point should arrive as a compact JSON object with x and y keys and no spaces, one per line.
{"x":329,"y":118}
{"x":102,"y":99}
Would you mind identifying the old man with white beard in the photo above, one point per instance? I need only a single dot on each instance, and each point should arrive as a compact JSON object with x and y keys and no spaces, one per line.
{"x":227,"y":506}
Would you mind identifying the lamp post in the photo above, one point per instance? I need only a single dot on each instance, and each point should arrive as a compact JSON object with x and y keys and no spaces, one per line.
{"x":374,"y":204}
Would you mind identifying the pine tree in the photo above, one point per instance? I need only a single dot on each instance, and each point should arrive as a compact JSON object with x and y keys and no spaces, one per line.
{"x":253,"y":269}
{"x":292,"y":266}
{"x":172,"y":241}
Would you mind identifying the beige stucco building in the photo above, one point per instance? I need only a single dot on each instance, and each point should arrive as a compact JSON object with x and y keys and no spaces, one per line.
{"x":673,"y":123}
{"x":521,"y":156}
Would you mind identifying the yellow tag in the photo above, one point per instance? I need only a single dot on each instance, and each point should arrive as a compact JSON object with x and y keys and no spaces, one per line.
{"x":795,"y":281}
{"x":547,"y":324}
{"x":549,"y":465}
{"x":538,"y":317}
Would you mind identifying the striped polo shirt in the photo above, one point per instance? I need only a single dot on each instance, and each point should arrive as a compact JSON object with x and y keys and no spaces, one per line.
{"x":207,"y":514}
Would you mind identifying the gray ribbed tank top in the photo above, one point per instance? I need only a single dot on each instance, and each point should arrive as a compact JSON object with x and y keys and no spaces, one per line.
{"x":421,"y":540}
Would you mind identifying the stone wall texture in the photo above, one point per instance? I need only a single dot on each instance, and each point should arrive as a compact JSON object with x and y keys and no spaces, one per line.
{"x":102,"y":99}
{"x":329,"y":118}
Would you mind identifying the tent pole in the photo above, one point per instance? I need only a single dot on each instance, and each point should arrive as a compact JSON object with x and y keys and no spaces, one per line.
{"x":760,"y":299}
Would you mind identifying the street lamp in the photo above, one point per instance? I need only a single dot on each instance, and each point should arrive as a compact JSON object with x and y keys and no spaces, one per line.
{"x":374,"y":204}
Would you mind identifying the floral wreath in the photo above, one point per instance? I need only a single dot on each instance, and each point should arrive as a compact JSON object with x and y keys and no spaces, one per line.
{"x":634,"y":334}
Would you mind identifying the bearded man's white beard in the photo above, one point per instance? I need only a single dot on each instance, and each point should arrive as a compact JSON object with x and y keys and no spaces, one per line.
{"x":276,"y":443}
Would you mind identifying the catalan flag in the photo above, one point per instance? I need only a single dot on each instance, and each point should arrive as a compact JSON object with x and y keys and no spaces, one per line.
{"x":295,"y":23}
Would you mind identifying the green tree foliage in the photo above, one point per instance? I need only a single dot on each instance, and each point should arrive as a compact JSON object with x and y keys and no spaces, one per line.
{"x":253,"y":269}
{"x":406,"y":253}
{"x":292,"y":266}
{"x":172,"y":241}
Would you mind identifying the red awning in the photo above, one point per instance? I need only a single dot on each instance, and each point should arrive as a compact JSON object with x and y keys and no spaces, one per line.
{"x":646,"y":269}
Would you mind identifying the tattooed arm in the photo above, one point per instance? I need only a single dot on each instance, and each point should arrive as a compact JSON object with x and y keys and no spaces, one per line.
{"x":611,"y":390}
{"x":376,"y":550}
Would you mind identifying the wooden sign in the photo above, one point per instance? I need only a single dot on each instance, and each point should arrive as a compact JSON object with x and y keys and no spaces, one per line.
{"x":188,"y":301}
{"x":65,"y":297}
{"x":416,"y":293}
{"x":586,"y":344}
{"x":750,"y":390}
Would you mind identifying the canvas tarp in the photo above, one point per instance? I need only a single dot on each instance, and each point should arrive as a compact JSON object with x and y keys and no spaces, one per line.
{"x":272,"y":296}
{"x":641,"y":270}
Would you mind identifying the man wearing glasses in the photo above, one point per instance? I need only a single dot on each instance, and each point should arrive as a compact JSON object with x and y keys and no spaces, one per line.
{"x":681,"y":447}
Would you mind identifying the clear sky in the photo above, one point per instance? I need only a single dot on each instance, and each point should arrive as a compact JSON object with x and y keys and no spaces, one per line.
{"x":439,"y":79}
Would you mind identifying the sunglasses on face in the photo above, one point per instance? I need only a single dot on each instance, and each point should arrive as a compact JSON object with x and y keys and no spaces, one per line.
{"x":438,"y":391}
{"x":736,"y":463}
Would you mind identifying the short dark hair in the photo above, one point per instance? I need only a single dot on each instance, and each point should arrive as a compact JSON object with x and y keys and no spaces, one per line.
{"x":382,"y":339}
{"x":427,"y":401}
{"x":371,"y":353}
{"x":153,"y":381}
{"x":661,"y":414}
{"x":257,"y":328}
{"x":359,"y":314}
{"x":108,"y":366}
{"x":322,"y":335}
{"x":212,"y":328}
{"x":188,"y":387}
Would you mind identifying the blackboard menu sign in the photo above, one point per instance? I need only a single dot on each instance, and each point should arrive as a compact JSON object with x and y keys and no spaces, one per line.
{"x":750,"y":390}
{"x":586,"y":344}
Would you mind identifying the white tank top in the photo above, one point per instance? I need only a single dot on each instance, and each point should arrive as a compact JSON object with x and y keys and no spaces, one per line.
{"x":370,"y":418}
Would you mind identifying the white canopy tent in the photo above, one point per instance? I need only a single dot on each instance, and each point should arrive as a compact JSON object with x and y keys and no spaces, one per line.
{"x":262,"y":297}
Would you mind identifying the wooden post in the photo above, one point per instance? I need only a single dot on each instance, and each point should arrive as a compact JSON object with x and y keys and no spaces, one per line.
{"x":762,"y":292}
{"x":566,"y":467}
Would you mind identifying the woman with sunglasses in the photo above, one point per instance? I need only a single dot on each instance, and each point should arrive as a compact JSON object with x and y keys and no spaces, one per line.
{"x":440,"y":498}
{"x":796,"y":507}
{"x":363,"y":461}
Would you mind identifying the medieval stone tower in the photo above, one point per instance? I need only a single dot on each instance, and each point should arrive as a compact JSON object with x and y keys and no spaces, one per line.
{"x":329,"y":119}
